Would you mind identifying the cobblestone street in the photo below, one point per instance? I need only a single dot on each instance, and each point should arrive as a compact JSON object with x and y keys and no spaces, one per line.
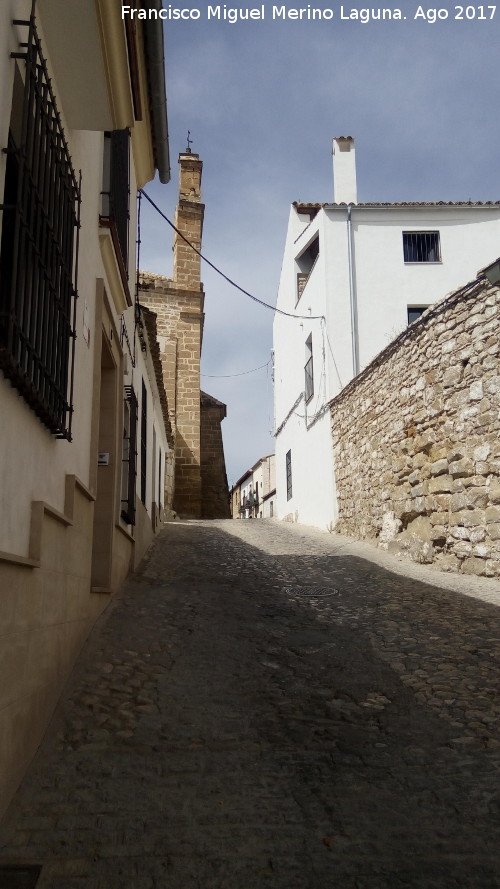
{"x":265,"y":705}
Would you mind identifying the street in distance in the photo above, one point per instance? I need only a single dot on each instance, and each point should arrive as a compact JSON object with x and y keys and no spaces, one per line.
{"x":363,"y":15}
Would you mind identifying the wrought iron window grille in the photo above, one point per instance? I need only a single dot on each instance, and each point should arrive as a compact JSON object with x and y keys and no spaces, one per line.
{"x":130,"y":458}
{"x":421,"y":247}
{"x":39,"y":250}
{"x":144,"y":442}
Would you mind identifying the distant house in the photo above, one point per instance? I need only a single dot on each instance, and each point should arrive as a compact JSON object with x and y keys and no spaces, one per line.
{"x":253,"y":495}
{"x":86,"y":439}
{"x":357,"y":274}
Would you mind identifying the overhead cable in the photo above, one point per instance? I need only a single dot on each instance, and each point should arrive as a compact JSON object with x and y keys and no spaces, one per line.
{"x":226,"y":278}
{"x":241,"y":374}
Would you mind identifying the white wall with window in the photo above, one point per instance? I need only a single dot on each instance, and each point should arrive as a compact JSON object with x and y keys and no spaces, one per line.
{"x":354,"y":275}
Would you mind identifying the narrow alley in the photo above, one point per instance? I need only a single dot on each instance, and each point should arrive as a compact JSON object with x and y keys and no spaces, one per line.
{"x":264,"y":705}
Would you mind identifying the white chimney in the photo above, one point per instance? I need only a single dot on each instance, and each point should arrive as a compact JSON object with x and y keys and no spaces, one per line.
{"x":344,"y":170}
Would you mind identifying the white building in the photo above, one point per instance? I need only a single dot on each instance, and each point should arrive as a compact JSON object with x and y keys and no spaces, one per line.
{"x":353,"y":276}
{"x":254,"y":494}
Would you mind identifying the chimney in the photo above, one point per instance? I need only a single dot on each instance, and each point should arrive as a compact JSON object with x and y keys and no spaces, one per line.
{"x":344,"y":170}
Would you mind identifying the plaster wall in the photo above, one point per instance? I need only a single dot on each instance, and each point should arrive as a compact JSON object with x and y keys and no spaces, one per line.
{"x":384,"y":287}
{"x":313,"y":498}
{"x":49,"y":486}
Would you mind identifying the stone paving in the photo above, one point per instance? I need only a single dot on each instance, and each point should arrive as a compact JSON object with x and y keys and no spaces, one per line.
{"x":265,"y":705}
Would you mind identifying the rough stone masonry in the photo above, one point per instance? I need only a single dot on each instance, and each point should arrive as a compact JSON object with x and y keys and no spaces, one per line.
{"x":416,"y":438}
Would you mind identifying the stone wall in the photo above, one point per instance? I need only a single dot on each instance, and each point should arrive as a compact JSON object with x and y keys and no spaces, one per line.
{"x":416,"y":438}
{"x":214,"y":487}
{"x":179,"y":321}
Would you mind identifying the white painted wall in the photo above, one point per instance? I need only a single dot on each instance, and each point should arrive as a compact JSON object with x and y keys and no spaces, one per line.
{"x":22,"y":477}
{"x":384,"y":286}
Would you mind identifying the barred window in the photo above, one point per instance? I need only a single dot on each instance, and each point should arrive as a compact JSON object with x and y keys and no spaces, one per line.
{"x":421,"y":247}
{"x":39,"y":246}
{"x":129,"y":458}
{"x":144,"y":441}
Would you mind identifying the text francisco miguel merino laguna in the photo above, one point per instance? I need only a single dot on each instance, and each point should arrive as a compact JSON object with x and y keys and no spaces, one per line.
{"x":230,"y":14}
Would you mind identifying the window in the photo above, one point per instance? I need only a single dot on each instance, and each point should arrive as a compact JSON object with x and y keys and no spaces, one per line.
{"x":39,"y":246}
{"x":308,"y":370}
{"x":129,"y":456}
{"x":144,"y":443}
{"x":160,"y":497}
{"x":414,"y":312}
{"x":116,"y":188}
{"x":305,"y":264}
{"x":421,"y":247}
{"x":288,"y":461}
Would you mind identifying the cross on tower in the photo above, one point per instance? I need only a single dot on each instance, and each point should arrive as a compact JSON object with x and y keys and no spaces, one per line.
{"x":189,"y":143}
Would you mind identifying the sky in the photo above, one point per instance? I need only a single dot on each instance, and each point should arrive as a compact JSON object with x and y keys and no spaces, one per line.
{"x":263,"y":100}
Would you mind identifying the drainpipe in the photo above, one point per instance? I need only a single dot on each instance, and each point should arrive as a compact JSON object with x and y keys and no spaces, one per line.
{"x":352,"y":293}
{"x":155,"y":61}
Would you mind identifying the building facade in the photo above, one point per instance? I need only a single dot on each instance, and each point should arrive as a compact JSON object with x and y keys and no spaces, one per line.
{"x":354,"y":275}
{"x":85,"y":434}
{"x":253,"y":495}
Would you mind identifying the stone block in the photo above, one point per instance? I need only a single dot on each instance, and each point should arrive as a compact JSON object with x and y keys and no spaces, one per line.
{"x":470,"y":518}
{"x":439,"y":467}
{"x":477,"y":497}
{"x":481,"y":550}
{"x":492,"y":514}
{"x":438,"y":518}
{"x":440,"y":484}
{"x":461,"y":468}
{"x":494,"y":531}
{"x":449,"y":562}
{"x":452,"y":375}
{"x":474,"y":565}
{"x":494,"y":492}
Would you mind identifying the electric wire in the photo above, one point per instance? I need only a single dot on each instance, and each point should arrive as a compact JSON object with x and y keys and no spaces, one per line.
{"x":241,"y":374}
{"x":221,"y":273}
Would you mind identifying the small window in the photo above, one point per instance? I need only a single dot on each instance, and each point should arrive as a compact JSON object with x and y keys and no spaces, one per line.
{"x":414,"y":312}
{"x":288,"y":461}
{"x":305,"y":264}
{"x":421,"y":247}
{"x":308,"y":370}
